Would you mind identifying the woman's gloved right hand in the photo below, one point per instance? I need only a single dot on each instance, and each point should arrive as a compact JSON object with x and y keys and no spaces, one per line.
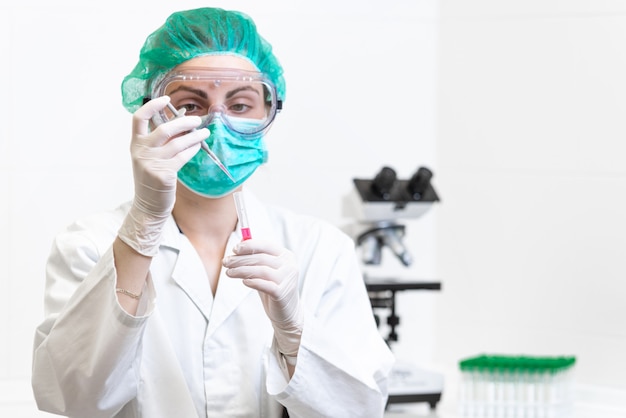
{"x":157,"y":155}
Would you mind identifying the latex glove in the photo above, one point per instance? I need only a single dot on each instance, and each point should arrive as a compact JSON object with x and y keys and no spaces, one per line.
{"x":157,"y":155}
{"x":273,"y":271}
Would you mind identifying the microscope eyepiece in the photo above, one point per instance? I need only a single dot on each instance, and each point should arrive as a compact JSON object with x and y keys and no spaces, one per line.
{"x":419,"y":182}
{"x":383,"y":182}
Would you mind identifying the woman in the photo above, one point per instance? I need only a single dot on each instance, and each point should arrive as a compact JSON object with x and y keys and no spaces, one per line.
{"x":160,"y":308}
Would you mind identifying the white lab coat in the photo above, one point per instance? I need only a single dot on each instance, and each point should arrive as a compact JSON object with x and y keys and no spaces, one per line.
{"x":187,"y":354}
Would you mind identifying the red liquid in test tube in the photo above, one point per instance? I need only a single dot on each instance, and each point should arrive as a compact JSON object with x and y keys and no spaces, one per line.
{"x":242,"y":214}
{"x":245,"y":233}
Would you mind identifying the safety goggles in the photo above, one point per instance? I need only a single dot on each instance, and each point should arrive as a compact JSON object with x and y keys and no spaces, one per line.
{"x":245,"y":101}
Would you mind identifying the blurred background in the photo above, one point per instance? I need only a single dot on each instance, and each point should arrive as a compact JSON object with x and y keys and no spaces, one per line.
{"x":516,"y":107}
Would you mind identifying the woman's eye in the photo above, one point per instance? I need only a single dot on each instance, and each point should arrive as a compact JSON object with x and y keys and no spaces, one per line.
{"x":239,"y":107}
{"x":190,"y":108}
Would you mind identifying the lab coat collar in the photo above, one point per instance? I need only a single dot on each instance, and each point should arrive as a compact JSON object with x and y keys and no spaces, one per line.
{"x":188,"y":271}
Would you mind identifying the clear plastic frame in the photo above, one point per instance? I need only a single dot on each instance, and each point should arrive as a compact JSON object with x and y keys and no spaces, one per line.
{"x":246,"y":101}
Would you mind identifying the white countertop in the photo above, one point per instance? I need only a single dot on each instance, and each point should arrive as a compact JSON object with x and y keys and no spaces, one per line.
{"x":590,"y":402}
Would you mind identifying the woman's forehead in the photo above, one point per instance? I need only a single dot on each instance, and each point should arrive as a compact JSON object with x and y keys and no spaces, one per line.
{"x":217,"y":62}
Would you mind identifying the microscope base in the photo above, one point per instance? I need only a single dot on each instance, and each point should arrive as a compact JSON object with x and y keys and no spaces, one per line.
{"x":408,"y":384}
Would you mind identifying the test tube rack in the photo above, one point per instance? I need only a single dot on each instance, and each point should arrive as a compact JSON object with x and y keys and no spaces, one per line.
{"x":501,"y":386}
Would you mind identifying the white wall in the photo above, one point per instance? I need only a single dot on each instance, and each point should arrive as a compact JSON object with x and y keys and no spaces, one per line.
{"x":532,"y":228}
{"x":528,"y":157}
{"x":358,"y":74}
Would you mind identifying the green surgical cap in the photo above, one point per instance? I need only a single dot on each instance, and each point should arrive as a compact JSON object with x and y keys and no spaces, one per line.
{"x":193,"y":33}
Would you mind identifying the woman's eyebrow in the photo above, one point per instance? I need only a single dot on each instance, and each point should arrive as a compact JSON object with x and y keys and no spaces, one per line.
{"x":231,"y":93}
{"x":198,"y":92}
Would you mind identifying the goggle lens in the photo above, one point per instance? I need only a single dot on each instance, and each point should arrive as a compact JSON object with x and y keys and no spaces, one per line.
{"x":245,"y":101}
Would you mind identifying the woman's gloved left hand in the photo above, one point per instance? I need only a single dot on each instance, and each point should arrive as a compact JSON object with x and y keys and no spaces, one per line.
{"x":273,"y":272}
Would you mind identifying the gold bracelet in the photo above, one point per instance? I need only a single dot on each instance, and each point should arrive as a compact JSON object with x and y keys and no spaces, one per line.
{"x":127,"y":293}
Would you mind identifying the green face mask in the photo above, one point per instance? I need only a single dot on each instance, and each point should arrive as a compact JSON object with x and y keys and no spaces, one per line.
{"x":241,"y":154}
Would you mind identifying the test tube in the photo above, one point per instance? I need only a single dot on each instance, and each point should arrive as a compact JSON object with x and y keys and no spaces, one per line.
{"x":242,"y":214}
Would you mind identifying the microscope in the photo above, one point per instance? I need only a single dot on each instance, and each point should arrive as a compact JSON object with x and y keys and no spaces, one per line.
{"x":378,"y":206}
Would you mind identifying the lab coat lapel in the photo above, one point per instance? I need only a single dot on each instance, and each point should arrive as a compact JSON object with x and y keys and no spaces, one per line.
{"x":232,"y":292}
{"x":188,"y":268}
{"x":190,"y":275}
{"x":229,"y":295}
{"x":188,"y":271}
